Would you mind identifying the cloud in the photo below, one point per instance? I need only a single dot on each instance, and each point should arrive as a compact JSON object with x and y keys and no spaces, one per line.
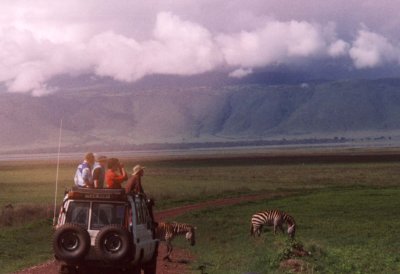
{"x":40,"y":41}
{"x":371,"y":49}
{"x":133,"y":39}
{"x":338,"y":48}
{"x":177,"y":47}
{"x":182,"y":47}
{"x":276,"y":42}
{"x":241,"y":72}
{"x":27,"y":62}
{"x":116,"y":56}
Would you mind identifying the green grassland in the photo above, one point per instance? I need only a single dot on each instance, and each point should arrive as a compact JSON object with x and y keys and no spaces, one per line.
{"x":346,"y":231}
{"x":173,"y":182}
{"x":25,"y":246}
{"x":358,"y":199}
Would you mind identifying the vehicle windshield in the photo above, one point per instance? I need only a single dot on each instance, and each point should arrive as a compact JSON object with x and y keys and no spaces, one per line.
{"x":107,"y":213}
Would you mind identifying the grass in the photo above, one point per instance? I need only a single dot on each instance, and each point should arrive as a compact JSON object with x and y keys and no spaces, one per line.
{"x":25,"y":246}
{"x":347,"y":231}
{"x":177,"y":182}
{"x":174,"y":182}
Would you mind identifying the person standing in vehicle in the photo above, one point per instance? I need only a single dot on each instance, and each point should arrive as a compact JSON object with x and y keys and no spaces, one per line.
{"x":83,"y":174}
{"x":115,"y":174}
{"x":134,"y":183}
{"x":99,"y":171}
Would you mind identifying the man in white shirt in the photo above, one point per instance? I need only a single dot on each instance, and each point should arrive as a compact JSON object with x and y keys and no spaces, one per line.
{"x":83,"y":174}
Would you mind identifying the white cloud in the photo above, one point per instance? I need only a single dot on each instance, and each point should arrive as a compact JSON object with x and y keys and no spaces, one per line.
{"x":116,"y":56}
{"x":180,"y":47}
{"x":241,"y":72}
{"x":371,"y":49}
{"x":276,"y":42}
{"x":183,"y":47}
{"x":177,"y":47}
{"x":132,"y":39}
{"x":26,"y":62}
{"x":338,"y":48}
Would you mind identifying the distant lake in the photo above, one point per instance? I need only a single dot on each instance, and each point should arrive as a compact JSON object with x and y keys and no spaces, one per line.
{"x":168,"y":153}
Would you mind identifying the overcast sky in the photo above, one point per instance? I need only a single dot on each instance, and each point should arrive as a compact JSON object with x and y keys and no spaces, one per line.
{"x":127,"y":40}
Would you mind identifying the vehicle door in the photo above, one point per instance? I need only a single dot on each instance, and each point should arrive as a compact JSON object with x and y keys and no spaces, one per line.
{"x":144,"y":230}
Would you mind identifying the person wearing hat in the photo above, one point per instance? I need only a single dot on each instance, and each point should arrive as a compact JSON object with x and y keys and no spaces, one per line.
{"x":134,"y":183}
{"x":83,"y":174}
{"x":99,"y":171}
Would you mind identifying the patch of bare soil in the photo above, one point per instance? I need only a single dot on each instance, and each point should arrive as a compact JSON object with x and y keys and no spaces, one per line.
{"x":181,"y":259}
{"x":165,"y":214}
{"x":47,"y":267}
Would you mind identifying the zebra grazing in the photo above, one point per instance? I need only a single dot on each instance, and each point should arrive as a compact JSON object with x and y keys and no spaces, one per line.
{"x":167,"y":231}
{"x":275,"y":218}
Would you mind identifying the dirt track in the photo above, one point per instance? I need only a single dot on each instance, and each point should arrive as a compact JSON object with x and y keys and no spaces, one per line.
{"x":177,"y":266}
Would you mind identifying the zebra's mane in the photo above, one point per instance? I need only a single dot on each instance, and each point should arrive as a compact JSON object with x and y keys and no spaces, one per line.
{"x":289,"y":219}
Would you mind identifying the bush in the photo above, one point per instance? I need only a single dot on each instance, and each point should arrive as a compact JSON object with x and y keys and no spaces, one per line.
{"x":23,"y":214}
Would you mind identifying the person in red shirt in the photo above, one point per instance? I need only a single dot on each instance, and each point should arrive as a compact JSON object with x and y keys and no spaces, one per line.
{"x":115,"y":174}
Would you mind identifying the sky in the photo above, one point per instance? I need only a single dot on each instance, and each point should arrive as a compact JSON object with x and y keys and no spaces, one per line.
{"x":127,"y":40}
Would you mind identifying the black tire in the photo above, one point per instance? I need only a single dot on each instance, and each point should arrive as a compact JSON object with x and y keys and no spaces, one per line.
{"x":71,"y":243}
{"x":113,"y":243}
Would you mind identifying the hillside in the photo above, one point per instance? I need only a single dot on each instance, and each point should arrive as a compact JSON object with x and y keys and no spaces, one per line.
{"x":105,"y":116}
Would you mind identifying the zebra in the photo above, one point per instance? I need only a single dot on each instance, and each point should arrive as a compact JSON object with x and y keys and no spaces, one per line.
{"x":167,"y":231}
{"x":275,"y":218}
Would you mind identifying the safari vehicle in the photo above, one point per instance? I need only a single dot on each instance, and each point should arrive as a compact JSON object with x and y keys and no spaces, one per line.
{"x":101,"y":230}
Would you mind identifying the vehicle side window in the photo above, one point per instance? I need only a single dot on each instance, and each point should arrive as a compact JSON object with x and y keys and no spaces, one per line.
{"x":145,"y":211}
{"x":140,"y":217}
{"x":107,"y":213}
{"x":78,"y":213}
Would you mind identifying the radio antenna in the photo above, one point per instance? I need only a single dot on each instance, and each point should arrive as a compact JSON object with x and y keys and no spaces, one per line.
{"x":58,"y":168}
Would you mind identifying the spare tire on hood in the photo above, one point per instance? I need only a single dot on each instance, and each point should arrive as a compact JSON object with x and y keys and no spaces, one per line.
{"x":71,"y":242}
{"x":113,"y":243}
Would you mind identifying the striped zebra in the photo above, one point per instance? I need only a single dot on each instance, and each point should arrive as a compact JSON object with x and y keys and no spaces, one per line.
{"x":167,"y":231}
{"x":275,"y":218}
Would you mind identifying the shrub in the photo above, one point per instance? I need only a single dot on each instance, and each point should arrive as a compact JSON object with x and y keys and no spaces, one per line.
{"x":23,"y":214}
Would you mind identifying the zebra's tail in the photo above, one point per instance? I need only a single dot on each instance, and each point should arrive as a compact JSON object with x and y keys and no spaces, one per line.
{"x":251,"y":230}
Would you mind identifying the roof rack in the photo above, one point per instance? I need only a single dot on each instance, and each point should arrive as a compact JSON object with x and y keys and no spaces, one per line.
{"x":97,"y":194}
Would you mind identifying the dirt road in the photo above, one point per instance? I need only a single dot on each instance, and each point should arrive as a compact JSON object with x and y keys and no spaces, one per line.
{"x":181,"y":258}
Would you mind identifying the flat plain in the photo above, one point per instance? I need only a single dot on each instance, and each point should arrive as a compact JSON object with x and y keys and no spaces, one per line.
{"x":343,"y":201}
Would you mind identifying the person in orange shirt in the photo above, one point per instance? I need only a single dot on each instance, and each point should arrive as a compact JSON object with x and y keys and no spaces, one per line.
{"x":115,"y":174}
